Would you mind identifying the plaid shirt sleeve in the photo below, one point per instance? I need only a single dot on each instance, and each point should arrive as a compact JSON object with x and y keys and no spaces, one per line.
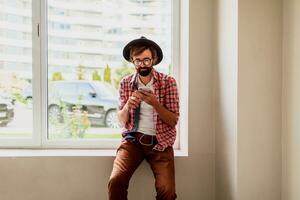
{"x":122,"y":95}
{"x":166,"y":134}
{"x":172,"y":97}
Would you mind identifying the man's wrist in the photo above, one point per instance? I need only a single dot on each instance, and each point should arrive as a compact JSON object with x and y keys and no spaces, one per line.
{"x":156,"y":105}
{"x":126,"y":109}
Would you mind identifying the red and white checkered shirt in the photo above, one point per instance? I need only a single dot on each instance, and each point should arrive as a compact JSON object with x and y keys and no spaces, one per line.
{"x":165,"y":90}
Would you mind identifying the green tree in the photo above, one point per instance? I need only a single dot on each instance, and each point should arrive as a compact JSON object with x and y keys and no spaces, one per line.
{"x":57,"y":76}
{"x":96,"y":76}
{"x":80,"y":72}
{"x":121,"y":72}
{"x":107,"y":74}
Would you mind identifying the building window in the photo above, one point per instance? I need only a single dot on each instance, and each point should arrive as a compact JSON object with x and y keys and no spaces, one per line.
{"x":70,"y":100}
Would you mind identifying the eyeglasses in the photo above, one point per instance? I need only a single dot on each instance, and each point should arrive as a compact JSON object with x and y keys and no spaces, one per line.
{"x":146,"y":62}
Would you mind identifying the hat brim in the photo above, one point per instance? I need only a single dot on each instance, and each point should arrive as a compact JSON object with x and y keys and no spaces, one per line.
{"x":142,"y":42}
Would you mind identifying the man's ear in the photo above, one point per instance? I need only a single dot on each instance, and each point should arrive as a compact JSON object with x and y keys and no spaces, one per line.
{"x":154,"y":61}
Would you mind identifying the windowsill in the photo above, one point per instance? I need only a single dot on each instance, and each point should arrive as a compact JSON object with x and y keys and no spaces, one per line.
{"x":68,"y":153}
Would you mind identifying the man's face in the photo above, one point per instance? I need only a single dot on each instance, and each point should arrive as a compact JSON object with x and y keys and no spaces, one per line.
{"x":143,"y":62}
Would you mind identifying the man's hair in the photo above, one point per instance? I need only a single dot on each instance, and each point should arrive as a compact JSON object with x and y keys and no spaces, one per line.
{"x":138,"y":49}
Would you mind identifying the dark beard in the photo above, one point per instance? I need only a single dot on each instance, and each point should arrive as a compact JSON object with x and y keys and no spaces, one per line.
{"x":144,"y":71}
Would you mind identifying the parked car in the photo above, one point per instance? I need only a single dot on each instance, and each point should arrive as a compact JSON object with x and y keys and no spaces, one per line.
{"x":27,"y":94}
{"x":98,"y":99}
{"x":6,"y":111}
{"x":8,"y":97}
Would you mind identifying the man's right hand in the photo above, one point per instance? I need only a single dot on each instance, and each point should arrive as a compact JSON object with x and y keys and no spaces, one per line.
{"x":133,"y":101}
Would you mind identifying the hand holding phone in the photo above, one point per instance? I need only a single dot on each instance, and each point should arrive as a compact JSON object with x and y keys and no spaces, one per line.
{"x":148,"y":95}
{"x":144,"y":89}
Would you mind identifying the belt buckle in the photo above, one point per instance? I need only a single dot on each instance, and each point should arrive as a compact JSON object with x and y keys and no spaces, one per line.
{"x":140,"y":140}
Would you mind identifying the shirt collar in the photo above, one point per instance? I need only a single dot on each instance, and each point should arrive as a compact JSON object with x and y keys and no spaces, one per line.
{"x":140,"y":82}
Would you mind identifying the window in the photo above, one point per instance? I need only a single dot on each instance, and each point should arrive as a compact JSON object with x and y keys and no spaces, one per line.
{"x":16,"y":114}
{"x":60,"y":81}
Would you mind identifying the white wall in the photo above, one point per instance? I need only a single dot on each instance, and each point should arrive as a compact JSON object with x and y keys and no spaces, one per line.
{"x":291,"y":101}
{"x":248,"y":99}
{"x":225,"y":91}
{"x":259,"y":99}
{"x":77,"y":178}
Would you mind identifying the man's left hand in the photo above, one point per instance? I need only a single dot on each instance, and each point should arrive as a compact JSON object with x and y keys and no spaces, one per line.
{"x":149,"y":98}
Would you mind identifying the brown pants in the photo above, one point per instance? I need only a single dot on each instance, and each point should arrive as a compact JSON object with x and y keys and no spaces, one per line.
{"x":129,"y":157}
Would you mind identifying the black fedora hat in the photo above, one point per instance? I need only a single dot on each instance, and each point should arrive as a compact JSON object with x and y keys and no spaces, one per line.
{"x":142,"y":41}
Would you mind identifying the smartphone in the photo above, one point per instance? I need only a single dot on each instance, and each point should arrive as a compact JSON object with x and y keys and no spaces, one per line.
{"x":145,"y":89}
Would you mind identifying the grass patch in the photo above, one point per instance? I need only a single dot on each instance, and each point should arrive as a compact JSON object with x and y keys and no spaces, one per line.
{"x":86,"y":136}
{"x":102,"y":136}
{"x":15,"y":135}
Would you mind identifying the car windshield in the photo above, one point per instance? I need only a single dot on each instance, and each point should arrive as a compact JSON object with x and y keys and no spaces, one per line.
{"x":67,"y":88}
{"x":105,"y":90}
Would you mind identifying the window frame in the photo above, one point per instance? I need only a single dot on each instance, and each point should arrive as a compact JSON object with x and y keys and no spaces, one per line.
{"x":101,"y":147}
